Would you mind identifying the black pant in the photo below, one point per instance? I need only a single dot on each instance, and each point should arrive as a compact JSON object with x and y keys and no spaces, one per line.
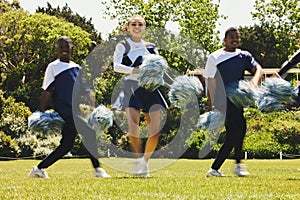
{"x":69,"y":133}
{"x":235,"y":125}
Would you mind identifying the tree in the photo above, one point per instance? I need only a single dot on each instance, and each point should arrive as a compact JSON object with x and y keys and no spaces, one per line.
{"x":5,"y":6}
{"x":196,"y":18}
{"x":27,"y":45}
{"x":262,"y":45}
{"x":67,"y":14}
{"x":280,"y":18}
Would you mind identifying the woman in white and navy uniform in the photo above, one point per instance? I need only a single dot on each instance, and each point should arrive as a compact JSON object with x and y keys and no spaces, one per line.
{"x":128,"y":56}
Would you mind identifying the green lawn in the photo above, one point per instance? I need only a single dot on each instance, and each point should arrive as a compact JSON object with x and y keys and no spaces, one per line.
{"x":183,"y":179}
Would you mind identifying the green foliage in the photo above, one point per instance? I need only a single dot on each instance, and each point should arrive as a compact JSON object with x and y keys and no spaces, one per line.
{"x":263,"y":45}
{"x":67,"y":14}
{"x":38,"y":144}
{"x":197,"y":19}
{"x":269,"y":134}
{"x":280,"y":19}
{"x":13,"y":116}
{"x":6,"y":6}
{"x":105,"y":85}
{"x":34,"y":38}
{"x":8,"y":146}
{"x":118,"y":132}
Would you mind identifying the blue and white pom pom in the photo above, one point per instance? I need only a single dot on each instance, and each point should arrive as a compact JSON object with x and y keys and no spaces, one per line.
{"x":152,"y":71}
{"x":242,"y":93}
{"x":275,"y":94}
{"x":184,"y":89}
{"x":100,"y":119}
{"x":45,"y":122}
{"x":212,"y":121}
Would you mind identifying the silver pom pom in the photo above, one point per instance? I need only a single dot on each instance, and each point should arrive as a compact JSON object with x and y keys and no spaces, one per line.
{"x":45,"y":122}
{"x":152,"y":71}
{"x":212,"y":121}
{"x":242,"y":93}
{"x":184,"y":89}
{"x":275,"y":94}
{"x":101,"y":118}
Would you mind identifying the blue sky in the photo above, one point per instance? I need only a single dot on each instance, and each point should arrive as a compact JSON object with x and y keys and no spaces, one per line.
{"x":238,"y":12}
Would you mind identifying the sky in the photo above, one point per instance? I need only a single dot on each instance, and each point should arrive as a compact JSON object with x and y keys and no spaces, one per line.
{"x":238,"y":12}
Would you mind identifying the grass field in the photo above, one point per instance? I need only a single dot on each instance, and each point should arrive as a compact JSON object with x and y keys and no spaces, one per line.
{"x":183,"y":179}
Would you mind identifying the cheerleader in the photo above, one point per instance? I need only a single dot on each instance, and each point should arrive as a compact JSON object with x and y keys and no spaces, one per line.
{"x":128,"y":57}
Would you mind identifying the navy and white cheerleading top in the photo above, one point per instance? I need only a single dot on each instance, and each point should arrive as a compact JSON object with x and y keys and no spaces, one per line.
{"x":137,"y":49}
{"x":59,"y":79}
{"x":125,"y":59}
{"x":231,"y":65}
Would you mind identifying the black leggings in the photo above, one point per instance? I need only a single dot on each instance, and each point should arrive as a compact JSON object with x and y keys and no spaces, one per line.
{"x":69,"y":133}
{"x":235,"y":125}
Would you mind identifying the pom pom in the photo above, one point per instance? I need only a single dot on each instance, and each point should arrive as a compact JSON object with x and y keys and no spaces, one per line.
{"x":100,"y":119}
{"x":242,"y":93}
{"x":45,"y":122}
{"x":152,"y":71}
{"x":212,"y":121}
{"x":275,"y":94}
{"x":184,"y":89}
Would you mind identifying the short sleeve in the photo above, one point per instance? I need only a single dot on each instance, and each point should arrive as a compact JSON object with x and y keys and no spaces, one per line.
{"x":210,"y":67}
{"x":48,"y":78}
{"x":250,"y":62}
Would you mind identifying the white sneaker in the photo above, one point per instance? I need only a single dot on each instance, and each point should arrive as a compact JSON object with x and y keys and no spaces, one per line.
{"x":141,"y":169}
{"x":241,"y":170}
{"x":213,"y":172}
{"x":38,"y":173}
{"x":101,"y":173}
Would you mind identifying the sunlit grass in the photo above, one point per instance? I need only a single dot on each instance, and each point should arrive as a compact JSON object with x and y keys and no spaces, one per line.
{"x":182,"y":179}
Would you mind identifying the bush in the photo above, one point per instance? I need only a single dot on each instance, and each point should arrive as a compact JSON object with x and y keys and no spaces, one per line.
{"x":272,"y":133}
{"x":14,"y":115}
{"x":8,"y":146}
{"x":267,"y":135}
{"x":38,"y":144}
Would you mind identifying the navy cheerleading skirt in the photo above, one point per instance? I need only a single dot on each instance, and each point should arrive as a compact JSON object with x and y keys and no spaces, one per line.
{"x":133,"y":96}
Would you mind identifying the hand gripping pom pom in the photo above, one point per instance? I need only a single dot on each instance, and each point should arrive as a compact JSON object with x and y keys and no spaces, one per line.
{"x":45,"y":122}
{"x":152,"y":71}
{"x":212,"y":121}
{"x":275,"y":94}
{"x":184,"y":89}
{"x":101,"y":118}
{"x":242,"y":93}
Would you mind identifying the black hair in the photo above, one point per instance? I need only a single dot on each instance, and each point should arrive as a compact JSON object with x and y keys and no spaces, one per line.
{"x":231,"y":29}
{"x":65,"y":39}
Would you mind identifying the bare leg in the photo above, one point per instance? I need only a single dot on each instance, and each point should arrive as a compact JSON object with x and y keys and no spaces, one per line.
{"x":153,"y":121}
{"x":133,"y":118}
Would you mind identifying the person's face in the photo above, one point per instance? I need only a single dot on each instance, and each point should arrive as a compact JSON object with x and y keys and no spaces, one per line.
{"x":64,"y":49}
{"x":137,"y":27}
{"x":232,"y":40}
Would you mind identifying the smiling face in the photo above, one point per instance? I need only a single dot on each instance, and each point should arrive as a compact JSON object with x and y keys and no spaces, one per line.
{"x":136,"y":27}
{"x":64,"y":48}
{"x":232,"y":40}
